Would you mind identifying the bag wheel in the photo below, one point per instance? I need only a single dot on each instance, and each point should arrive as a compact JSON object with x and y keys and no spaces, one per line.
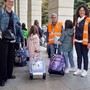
{"x":31,"y":76}
{"x":49,"y":73}
{"x":44,"y":76}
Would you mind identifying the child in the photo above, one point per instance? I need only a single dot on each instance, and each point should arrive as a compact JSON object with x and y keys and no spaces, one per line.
{"x":66,"y":41}
{"x":33,"y":42}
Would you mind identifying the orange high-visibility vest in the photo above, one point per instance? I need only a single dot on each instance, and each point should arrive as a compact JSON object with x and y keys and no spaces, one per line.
{"x":56,"y":30}
{"x":85,"y":32}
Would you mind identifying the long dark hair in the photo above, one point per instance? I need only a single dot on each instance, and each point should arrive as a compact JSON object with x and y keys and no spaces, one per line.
{"x":85,"y":8}
{"x":36,"y":23}
{"x":68,"y":24}
{"x":33,"y":30}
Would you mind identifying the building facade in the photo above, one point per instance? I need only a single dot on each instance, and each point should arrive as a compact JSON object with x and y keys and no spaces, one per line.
{"x":63,"y":8}
{"x":29,"y":10}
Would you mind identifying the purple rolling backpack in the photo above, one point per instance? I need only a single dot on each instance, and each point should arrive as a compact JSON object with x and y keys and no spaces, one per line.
{"x":57,"y":65}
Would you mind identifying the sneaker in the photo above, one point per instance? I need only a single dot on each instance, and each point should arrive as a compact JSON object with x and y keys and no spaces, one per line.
{"x":72,"y":69}
{"x":67,"y":71}
{"x":78,"y":72}
{"x":84,"y":73}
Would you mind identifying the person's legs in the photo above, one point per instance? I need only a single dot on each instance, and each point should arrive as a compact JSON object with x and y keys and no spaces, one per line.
{"x":78,"y":47}
{"x":52,"y":50}
{"x":25,"y":42}
{"x":66,"y":58}
{"x":59,"y":49}
{"x":65,"y":54}
{"x":85,"y":60}
{"x":3,"y":62}
{"x":85,"y":56}
{"x":71,"y":61}
{"x":11,"y":59}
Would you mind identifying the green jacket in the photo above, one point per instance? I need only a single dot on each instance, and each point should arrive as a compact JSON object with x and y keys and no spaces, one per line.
{"x":67,"y":40}
{"x":25,"y":33}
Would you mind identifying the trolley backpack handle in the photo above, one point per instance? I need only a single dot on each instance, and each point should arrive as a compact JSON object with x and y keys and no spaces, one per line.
{"x":57,"y":48}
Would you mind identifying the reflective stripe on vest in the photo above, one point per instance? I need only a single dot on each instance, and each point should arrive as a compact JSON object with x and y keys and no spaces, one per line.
{"x":57,"y":31}
{"x":85,"y":32}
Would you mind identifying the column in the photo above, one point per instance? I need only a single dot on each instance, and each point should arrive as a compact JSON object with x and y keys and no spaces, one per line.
{"x":22,"y":11}
{"x":34,"y":11}
{"x":63,"y":8}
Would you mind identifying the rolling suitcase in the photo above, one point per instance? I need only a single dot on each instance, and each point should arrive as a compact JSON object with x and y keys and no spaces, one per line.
{"x":37,"y":67}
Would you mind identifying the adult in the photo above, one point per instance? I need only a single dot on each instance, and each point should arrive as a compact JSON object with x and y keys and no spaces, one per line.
{"x":39,"y":29}
{"x":82,"y":39}
{"x":54,"y":29}
{"x":8,"y":20}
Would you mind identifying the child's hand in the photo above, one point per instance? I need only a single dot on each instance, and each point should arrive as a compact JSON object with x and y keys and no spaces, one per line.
{"x":27,"y":48}
{"x":37,"y":51}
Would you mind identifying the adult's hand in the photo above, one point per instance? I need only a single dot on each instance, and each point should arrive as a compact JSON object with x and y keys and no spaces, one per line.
{"x":88,"y":46}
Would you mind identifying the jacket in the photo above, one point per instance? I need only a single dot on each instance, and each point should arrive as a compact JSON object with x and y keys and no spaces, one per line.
{"x":83,"y":31}
{"x":4,"y":20}
{"x":67,"y":40}
{"x":33,"y":46}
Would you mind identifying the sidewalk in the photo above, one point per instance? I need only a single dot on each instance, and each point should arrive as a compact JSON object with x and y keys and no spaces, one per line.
{"x":53,"y":82}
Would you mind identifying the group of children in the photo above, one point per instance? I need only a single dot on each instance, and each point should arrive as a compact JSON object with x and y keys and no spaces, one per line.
{"x":66,"y":42}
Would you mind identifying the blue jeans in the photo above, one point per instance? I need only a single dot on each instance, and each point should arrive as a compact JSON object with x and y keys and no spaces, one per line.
{"x":69,"y":56}
{"x":52,"y":49}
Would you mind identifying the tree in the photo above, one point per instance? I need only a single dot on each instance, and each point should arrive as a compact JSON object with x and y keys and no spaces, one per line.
{"x":87,"y":1}
{"x":78,"y":3}
{"x":44,"y":12}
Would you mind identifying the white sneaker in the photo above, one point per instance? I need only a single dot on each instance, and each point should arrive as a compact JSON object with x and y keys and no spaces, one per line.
{"x":84,"y":73}
{"x":67,"y":71}
{"x":72,"y":69}
{"x":78,"y":72}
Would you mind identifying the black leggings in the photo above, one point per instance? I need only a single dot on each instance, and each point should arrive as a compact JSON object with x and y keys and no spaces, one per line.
{"x":82,"y":51}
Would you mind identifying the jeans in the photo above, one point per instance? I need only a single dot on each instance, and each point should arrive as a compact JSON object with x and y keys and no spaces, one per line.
{"x":82,"y":51}
{"x":52,"y":50}
{"x":69,"y":56}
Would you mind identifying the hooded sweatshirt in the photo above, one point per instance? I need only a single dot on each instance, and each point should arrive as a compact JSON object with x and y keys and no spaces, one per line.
{"x":33,"y":46}
{"x":67,"y":40}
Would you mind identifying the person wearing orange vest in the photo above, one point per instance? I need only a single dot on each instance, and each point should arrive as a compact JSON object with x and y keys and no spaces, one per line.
{"x":54,"y":29}
{"x":82,"y":39}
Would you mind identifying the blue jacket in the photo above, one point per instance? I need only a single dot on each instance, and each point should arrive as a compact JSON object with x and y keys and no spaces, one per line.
{"x":19,"y":34}
{"x":4,"y":20}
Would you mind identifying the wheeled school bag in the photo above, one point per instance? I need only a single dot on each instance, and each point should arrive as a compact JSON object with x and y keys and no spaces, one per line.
{"x":20,"y":58}
{"x":57,"y":64}
{"x":37,"y":67}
